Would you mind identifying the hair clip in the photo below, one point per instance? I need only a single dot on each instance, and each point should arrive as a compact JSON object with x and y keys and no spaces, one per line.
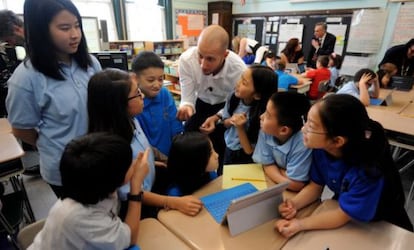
{"x":368,"y":134}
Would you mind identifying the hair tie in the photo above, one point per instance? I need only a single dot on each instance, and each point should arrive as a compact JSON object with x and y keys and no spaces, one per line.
{"x":368,"y":134}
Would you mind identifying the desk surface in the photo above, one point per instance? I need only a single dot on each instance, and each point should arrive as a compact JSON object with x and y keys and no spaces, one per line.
{"x":10,"y":149}
{"x":5,"y":126}
{"x":203,"y":232}
{"x":354,"y":235}
{"x":400,"y":99}
{"x":153,"y":235}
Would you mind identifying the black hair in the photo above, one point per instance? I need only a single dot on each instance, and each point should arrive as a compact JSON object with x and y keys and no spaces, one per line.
{"x":8,"y":19}
{"x":290,"y":49}
{"x":361,"y":72}
{"x":291,"y":108}
{"x":145,"y":60}
{"x":187,"y":160}
{"x":108,"y":92}
{"x":337,"y":59}
{"x":94,"y":166}
{"x":323,"y":60}
{"x":409,"y":43}
{"x":265,"y":82}
{"x":345,"y":115}
{"x":39,"y":45}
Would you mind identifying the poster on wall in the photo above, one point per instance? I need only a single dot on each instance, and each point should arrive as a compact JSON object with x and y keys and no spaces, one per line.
{"x":247,"y":30}
{"x":339,"y":30}
{"x":189,"y":24}
{"x":288,"y":31}
{"x":367,"y":30}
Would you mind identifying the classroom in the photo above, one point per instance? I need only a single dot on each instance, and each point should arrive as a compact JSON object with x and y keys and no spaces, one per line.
{"x":178,"y":124}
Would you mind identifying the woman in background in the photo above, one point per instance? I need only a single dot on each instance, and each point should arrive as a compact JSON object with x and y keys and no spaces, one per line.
{"x":292,"y":53}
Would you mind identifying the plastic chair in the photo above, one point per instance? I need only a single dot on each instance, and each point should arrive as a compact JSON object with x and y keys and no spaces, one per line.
{"x":27,"y":234}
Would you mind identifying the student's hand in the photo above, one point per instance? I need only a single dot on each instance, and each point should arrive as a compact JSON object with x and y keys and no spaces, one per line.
{"x":160,"y":164}
{"x":238,"y":120}
{"x":287,"y":209}
{"x":209,"y":125}
{"x":189,"y":205}
{"x":288,"y":228}
{"x":184,"y":112}
{"x":140,"y":170}
{"x":363,"y":82}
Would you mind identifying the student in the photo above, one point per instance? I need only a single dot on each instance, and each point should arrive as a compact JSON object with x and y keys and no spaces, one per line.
{"x":85,"y":216}
{"x":192,"y":163}
{"x":280,"y":146}
{"x":384,"y":79}
{"x":351,"y":156}
{"x":114,"y":100}
{"x":244,"y":46}
{"x":364,"y":86}
{"x":241,"y":114}
{"x":269,"y":59}
{"x":158,"y":119}
{"x":47,"y":92}
{"x":292,"y":53}
{"x":285,"y":80}
{"x":321,"y":73}
{"x":335,"y":63}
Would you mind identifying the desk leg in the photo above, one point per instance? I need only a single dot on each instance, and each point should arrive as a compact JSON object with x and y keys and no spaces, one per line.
{"x":18,"y":184}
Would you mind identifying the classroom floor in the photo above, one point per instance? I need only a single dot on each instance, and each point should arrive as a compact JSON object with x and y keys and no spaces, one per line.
{"x":42,"y":198}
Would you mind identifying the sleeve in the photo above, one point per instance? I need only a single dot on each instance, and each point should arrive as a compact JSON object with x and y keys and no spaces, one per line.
{"x":292,"y":80}
{"x":21,"y":102}
{"x":262,"y":153}
{"x":225,"y":114}
{"x":298,"y":162}
{"x":187,"y":82}
{"x":316,"y":170}
{"x":311,"y":74}
{"x":175,"y":125}
{"x":361,"y":195}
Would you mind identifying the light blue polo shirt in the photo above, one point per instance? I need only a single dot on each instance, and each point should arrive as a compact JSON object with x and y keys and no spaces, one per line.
{"x":230,"y":135}
{"x":292,"y":156}
{"x":56,"y":109}
{"x":138,"y":144}
{"x":350,"y":88}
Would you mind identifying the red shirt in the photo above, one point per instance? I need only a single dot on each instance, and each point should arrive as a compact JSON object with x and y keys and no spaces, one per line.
{"x":317,"y":75}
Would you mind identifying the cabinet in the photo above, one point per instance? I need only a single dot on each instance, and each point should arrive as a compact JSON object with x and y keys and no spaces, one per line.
{"x":224,"y":11}
{"x":170,"y":49}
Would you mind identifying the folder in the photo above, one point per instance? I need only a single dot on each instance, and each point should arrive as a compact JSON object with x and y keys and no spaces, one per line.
{"x":234,"y":175}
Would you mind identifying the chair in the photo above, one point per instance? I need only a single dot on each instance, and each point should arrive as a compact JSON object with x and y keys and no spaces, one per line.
{"x":27,"y":234}
{"x":324,"y":86}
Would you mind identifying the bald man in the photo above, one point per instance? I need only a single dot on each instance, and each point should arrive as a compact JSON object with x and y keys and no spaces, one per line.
{"x":208,"y":73}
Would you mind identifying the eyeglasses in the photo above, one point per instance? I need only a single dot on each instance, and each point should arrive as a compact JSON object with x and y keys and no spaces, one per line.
{"x":138,"y":94}
{"x":307,"y":130}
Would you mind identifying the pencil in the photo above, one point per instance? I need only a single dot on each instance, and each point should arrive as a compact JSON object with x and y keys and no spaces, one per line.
{"x":246,"y":179}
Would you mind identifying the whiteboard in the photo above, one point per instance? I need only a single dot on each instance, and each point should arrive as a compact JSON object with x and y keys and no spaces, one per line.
{"x":288,"y":31}
{"x":404,"y":27}
{"x":352,"y":64}
{"x":367,"y":30}
{"x":92,"y":35}
{"x":339,"y":30}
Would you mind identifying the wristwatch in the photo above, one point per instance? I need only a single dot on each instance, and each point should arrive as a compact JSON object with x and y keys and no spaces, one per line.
{"x":136,"y":197}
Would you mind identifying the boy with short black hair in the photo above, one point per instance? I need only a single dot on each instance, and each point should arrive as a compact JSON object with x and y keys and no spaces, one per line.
{"x":158,"y":119}
{"x":280,"y":145}
{"x":93,"y":167}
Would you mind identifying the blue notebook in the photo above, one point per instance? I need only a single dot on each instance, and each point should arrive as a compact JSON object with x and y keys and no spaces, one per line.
{"x":217,"y":203}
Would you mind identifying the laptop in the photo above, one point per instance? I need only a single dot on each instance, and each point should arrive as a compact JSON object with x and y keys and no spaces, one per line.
{"x":254,"y":209}
{"x":404,"y":83}
{"x":295,"y":68}
{"x":387,"y":101}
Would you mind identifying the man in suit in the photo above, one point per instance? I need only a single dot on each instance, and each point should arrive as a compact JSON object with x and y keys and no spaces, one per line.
{"x":323,"y":43}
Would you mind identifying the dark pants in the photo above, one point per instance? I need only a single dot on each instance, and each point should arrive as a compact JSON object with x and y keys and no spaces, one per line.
{"x":236,"y":157}
{"x":205,"y":110}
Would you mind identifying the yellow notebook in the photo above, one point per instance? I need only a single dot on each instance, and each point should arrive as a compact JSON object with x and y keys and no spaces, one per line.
{"x":234,"y":175}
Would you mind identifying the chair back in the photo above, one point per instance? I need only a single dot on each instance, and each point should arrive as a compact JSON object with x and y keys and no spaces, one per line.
{"x":27,"y":234}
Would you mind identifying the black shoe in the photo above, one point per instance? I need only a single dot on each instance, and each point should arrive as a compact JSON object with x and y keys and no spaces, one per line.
{"x":32,"y":171}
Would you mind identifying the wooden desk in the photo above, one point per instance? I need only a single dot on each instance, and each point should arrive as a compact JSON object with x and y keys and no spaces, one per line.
{"x":5,"y":126}
{"x":203,"y":232}
{"x":10,"y":148}
{"x":153,"y":235}
{"x":392,"y":121}
{"x":302,"y":88}
{"x":400,"y":99}
{"x":354,"y":235}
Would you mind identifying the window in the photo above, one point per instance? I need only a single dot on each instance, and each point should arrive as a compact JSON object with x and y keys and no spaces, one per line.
{"x":145,"y":20}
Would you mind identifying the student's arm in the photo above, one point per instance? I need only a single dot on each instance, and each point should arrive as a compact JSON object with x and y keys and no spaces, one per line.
{"x":239,"y":121}
{"x":278,"y":176}
{"x":189,"y":205}
{"x":374,"y":90}
{"x":140,"y":170}
{"x":301,"y":60}
{"x":242,"y":47}
{"x":363,"y":89}
{"x":27,"y":135}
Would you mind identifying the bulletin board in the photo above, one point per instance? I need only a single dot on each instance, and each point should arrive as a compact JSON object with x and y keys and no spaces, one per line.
{"x":404,"y":27}
{"x":92,"y":34}
{"x":253,"y":27}
{"x":189,"y":24}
